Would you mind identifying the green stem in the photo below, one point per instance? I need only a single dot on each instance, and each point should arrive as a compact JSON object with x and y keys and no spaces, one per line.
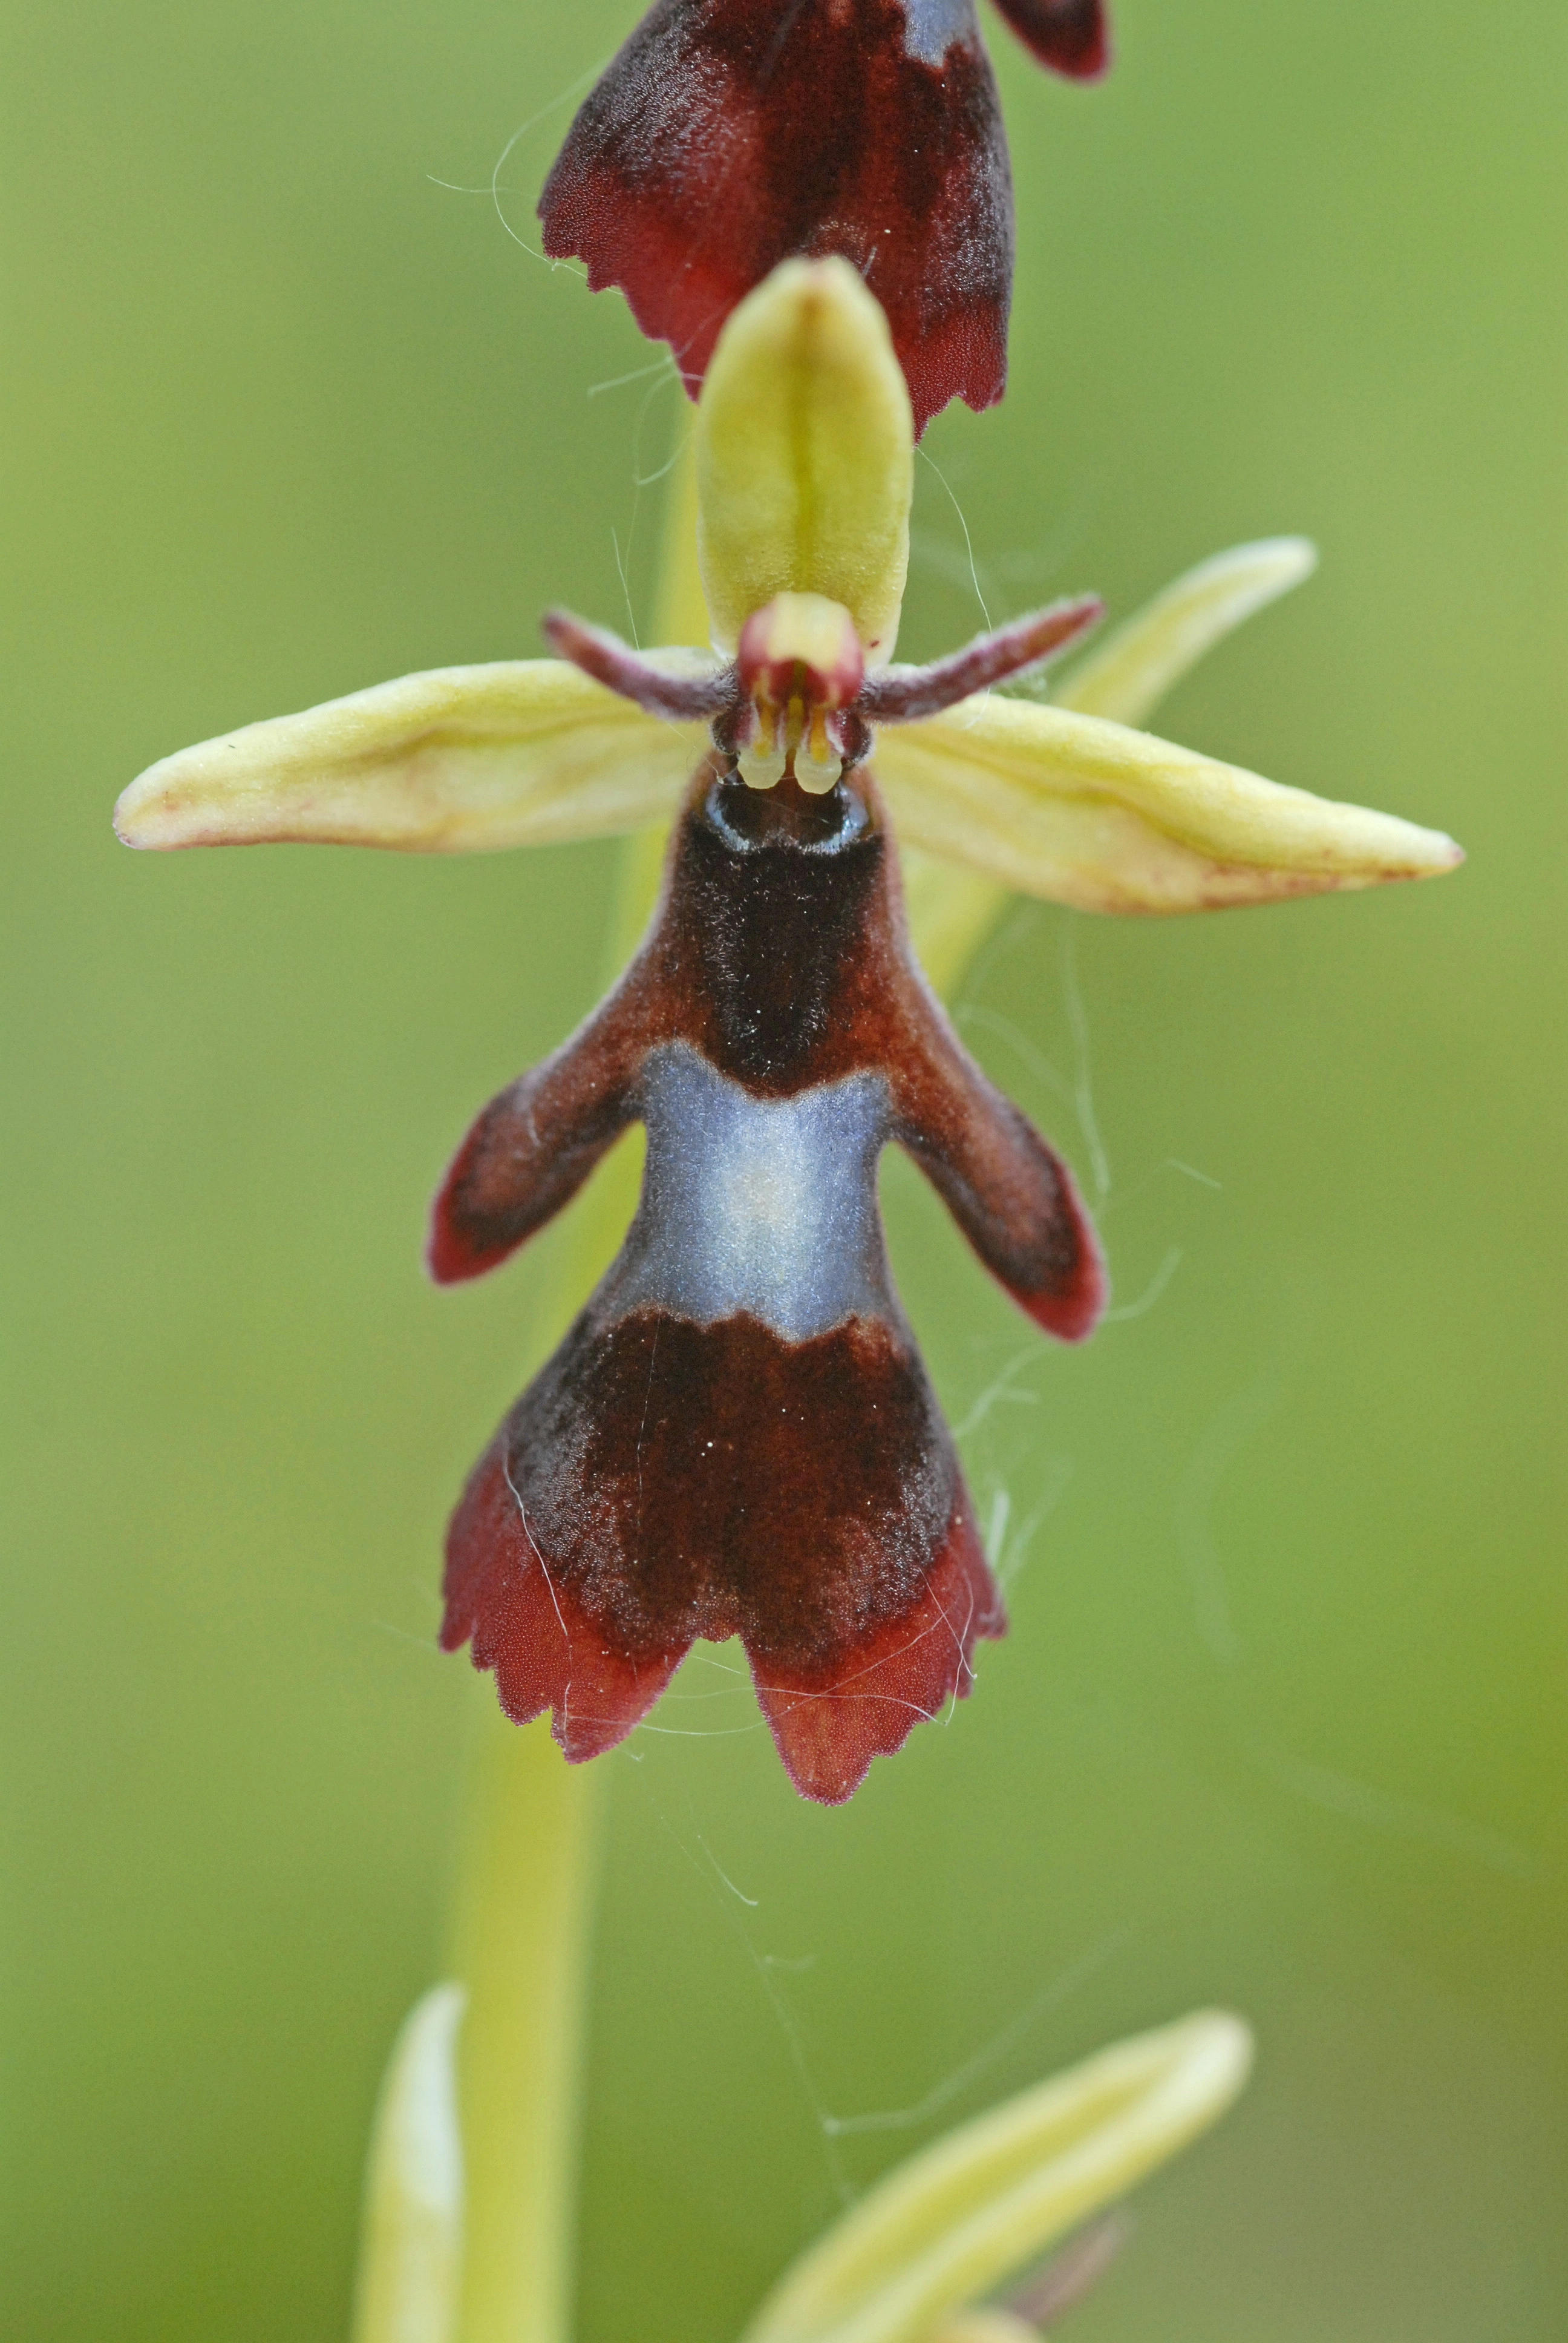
{"x":521,"y":1952}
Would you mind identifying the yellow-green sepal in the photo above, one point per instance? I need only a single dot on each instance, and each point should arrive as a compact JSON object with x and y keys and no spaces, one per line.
{"x":458,"y":760}
{"x":411,"y":2251}
{"x":805,"y":456}
{"x":1126,"y":677}
{"x":1080,"y":810}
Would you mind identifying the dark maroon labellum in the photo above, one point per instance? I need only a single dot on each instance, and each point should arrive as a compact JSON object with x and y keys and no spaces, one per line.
{"x":737,"y":1435}
{"x":730,"y":134}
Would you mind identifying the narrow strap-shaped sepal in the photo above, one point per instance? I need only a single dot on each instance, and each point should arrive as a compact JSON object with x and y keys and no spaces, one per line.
{"x":942,"y":2230}
{"x":1127,"y":675}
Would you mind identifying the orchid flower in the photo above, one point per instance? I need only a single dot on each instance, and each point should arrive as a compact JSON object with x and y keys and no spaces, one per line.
{"x":737,"y":1434}
{"x":912,"y":2262}
{"x":730,"y":134}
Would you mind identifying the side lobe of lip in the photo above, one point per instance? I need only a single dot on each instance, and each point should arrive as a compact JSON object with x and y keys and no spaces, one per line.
{"x":1071,"y":36}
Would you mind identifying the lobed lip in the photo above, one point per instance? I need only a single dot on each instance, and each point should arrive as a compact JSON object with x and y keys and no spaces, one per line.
{"x":729,"y":135}
{"x":737,"y":1435}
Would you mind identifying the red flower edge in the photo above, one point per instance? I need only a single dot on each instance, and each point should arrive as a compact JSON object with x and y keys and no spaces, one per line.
{"x":729,"y":134}
{"x":836,"y":1691}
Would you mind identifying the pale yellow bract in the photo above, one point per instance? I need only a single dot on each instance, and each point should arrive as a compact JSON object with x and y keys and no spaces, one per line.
{"x":411,"y":2263}
{"x":910,"y":2261}
{"x":803,"y":452}
{"x":943,"y":2230}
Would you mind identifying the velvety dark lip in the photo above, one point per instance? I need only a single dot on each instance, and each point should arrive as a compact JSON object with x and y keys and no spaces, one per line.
{"x":737,"y":1435}
{"x":661,"y":1482}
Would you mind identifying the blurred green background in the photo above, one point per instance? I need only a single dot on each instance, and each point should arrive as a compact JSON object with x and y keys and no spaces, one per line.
{"x":1279,"y":1721}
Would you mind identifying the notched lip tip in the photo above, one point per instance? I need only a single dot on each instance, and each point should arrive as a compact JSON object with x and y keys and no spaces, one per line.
{"x":1087,"y":1319}
{"x":817,"y":1795}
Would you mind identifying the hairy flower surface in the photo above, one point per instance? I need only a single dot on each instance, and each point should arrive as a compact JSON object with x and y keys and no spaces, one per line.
{"x":730,"y":134}
{"x":737,"y":1435}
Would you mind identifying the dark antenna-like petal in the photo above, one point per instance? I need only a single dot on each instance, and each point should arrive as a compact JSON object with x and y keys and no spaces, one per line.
{"x":899,"y":695}
{"x":685,"y":697}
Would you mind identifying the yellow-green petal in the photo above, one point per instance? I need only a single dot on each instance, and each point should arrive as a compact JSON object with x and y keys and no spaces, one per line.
{"x":1129,"y":673}
{"x":1082,"y":811}
{"x":950,"y":2224}
{"x":805,"y":456}
{"x":458,"y":761}
{"x":411,"y":2253}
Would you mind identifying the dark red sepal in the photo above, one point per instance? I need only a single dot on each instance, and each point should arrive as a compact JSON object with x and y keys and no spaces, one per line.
{"x":729,"y":134}
{"x":1071,"y":36}
{"x":545,"y":1650}
{"x":829,"y":1723}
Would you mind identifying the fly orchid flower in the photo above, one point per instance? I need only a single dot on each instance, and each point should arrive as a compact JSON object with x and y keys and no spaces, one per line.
{"x":737,"y":1434}
{"x":730,"y":134}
